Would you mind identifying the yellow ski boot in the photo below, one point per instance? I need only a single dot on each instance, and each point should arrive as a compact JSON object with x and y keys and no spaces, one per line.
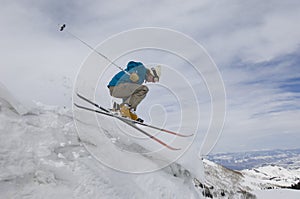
{"x":125,"y":110}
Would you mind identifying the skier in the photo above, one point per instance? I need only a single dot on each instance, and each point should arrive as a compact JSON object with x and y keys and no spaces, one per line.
{"x":129,"y":87}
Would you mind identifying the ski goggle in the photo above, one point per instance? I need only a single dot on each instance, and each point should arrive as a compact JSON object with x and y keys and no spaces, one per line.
{"x":156,"y":78}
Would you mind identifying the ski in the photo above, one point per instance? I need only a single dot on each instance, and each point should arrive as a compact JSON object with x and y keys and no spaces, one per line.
{"x":151,"y":136}
{"x":133,"y":121}
{"x":129,"y":122}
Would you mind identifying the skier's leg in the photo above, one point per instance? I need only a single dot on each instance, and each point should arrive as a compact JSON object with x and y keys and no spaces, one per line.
{"x":137,"y":96}
{"x":123,"y":91}
{"x":131,"y":93}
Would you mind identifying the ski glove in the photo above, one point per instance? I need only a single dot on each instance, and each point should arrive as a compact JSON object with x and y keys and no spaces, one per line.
{"x":134,"y":77}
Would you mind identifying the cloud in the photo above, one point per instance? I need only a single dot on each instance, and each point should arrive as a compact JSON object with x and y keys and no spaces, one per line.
{"x":255,"y":44}
{"x":250,"y":31}
{"x":263,"y":103}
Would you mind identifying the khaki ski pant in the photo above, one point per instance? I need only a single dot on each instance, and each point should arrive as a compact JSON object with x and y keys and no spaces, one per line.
{"x":131,"y":93}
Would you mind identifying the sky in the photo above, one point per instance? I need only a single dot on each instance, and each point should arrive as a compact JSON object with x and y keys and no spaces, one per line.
{"x":254,"y":44}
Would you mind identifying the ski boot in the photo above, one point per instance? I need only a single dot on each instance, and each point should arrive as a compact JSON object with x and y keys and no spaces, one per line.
{"x":128,"y":112}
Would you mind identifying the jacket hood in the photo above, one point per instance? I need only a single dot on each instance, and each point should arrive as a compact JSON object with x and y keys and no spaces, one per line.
{"x":133,"y":64}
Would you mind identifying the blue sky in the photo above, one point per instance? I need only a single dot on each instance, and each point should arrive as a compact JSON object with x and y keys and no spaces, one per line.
{"x":255,"y":45}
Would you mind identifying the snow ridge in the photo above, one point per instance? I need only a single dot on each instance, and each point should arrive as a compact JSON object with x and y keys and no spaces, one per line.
{"x":8,"y":100}
{"x":41,"y":156}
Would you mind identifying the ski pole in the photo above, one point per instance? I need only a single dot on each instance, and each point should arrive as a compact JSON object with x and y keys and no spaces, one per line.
{"x":62,"y":28}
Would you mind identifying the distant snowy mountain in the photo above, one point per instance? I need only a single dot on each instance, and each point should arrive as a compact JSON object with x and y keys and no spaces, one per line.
{"x":285,"y":158}
{"x":229,"y":183}
{"x":41,"y":156}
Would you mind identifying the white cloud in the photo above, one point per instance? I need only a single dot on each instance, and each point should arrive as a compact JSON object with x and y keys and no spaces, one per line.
{"x":36,"y":59}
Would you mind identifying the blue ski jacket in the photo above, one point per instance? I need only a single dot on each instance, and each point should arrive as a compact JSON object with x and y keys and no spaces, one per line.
{"x":132,"y":67}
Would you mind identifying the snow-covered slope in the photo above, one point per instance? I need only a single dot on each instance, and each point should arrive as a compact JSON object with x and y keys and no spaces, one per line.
{"x":270,"y":177}
{"x":41,"y":156}
{"x":7,"y":98}
{"x":249,"y":183}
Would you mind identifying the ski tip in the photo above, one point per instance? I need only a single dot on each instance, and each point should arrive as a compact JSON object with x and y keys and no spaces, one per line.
{"x":190,"y":135}
{"x":79,"y":95}
{"x":78,"y":106}
{"x":173,"y":149}
{"x":175,"y":133}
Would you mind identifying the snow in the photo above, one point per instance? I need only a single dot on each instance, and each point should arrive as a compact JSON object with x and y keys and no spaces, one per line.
{"x":277,"y":194}
{"x":272,"y":176}
{"x":7,"y":97}
{"x":41,"y":156}
{"x":120,"y":140}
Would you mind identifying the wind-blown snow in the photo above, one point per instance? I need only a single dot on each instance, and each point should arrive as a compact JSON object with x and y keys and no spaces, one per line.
{"x":7,"y":97}
{"x":41,"y":156}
